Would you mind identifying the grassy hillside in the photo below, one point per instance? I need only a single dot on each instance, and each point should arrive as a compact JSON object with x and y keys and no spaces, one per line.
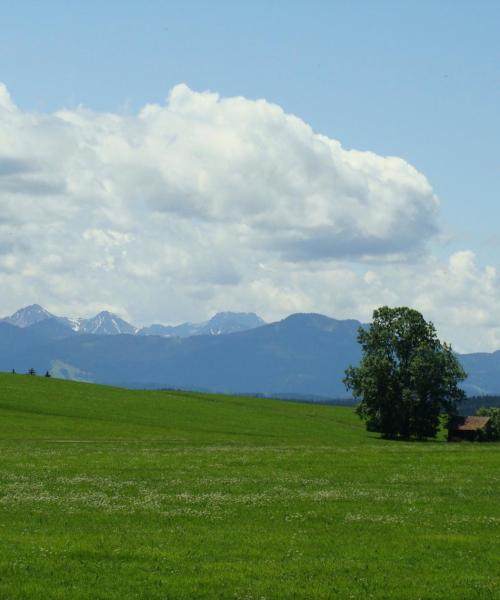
{"x":109,"y":494}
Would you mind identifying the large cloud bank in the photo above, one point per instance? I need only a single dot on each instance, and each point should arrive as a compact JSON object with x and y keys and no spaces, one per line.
{"x":202,"y":204}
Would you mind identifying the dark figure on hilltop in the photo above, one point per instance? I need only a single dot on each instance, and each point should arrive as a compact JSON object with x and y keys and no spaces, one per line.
{"x":407,"y":378}
{"x":47,"y":374}
{"x":32,"y":371}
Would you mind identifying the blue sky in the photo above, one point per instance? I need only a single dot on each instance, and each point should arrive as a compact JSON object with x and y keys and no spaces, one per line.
{"x":417,"y":80}
{"x":420,"y":80}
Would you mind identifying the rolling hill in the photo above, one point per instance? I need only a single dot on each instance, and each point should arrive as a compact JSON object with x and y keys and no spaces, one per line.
{"x":114,"y":493}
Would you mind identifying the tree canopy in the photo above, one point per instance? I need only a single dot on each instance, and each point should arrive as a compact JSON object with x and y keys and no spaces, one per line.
{"x":406,"y":378}
{"x":492,"y":430}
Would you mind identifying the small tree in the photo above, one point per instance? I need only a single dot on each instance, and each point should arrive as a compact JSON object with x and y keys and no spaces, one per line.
{"x":492,"y":431}
{"x":407,"y":378}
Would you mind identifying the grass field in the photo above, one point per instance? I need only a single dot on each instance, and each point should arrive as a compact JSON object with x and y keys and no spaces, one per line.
{"x":109,"y":493}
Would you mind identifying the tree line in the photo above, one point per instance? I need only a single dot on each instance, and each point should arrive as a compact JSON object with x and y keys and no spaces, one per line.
{"x":32,"y":372}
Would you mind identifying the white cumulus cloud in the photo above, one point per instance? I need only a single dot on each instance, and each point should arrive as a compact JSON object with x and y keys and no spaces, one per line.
{"x":207,"y":203}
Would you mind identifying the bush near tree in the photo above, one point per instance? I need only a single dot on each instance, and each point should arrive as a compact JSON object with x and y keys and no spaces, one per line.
{"x":491,"y":432}
{"x":407,"y":378}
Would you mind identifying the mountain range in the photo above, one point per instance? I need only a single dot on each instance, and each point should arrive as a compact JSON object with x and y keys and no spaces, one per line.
{"x":303,"y":355}
{"x":106,"y":323}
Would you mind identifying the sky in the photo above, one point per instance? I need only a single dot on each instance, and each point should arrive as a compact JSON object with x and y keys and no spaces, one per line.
{"x":170,"y":160}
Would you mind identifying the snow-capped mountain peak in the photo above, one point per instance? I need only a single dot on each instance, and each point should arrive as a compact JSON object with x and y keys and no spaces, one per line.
{"x":104,"y":323}
{"x":29,"y":315}
{"x":107,"y":323}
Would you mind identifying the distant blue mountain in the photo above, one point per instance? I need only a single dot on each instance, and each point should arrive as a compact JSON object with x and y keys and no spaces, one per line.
{"x":51,"y":329}
{"x":484,"y":372}
{"x":15,"y":340}
{"x":219,"y":324}
{"x":302,"y":355}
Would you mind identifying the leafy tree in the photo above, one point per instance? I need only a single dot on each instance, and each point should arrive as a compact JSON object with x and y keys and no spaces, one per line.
{"x":407,"y":378}
{"x":492,"y":430}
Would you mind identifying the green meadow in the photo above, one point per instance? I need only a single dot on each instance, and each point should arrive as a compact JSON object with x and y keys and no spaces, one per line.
{"x":108,"y":493}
